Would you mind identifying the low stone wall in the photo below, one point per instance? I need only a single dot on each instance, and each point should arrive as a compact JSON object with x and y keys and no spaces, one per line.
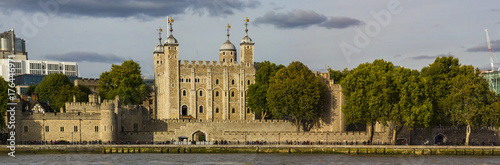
{"x":312,"y":149}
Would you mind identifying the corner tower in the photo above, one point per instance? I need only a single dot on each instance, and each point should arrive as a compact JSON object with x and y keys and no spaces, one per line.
{"x":167,"y":78}
{"x":227,"y":52}
{"x":246,"y":48}
{"x":159,"y":61}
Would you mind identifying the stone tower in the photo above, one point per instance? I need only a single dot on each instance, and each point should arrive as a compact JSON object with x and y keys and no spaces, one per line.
{"x":167,"y":77}
{"x":159,"y":61}
{"x":246,"y":48}
{"x":227,"y":52}
{"x":171,"y":49}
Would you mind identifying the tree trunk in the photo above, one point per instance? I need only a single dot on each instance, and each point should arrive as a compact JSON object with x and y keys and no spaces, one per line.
{"x":372,"y":131}
{"x":467,"y":134}
{"x":395,"y":133}
{"x":297,"y":122}
{"x":263,"y":115}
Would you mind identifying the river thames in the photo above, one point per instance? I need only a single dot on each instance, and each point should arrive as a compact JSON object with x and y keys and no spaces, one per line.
{"x":146,"y":159}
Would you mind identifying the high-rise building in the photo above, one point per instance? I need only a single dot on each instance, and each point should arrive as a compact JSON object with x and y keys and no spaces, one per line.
{"x":11,"y":45}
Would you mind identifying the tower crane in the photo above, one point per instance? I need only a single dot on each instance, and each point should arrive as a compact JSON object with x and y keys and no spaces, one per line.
{"x":489,"y":49}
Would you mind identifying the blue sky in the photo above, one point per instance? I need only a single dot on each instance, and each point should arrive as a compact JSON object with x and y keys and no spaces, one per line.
{"x":321,"y":34}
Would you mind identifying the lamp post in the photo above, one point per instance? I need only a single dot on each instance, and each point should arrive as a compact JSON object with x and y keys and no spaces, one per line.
{"x":279,"y":138}
{"x":495,"y":139}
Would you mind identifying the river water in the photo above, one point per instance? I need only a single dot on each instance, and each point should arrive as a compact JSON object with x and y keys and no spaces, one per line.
{"x":257,"y":159}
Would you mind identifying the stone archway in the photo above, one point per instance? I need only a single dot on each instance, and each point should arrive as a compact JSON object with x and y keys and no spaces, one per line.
{"x":184,"y":110}
{"x":199,"y":136}
{"x":439,"y":139}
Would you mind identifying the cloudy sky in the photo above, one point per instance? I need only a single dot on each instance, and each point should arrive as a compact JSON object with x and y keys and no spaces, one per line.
{"x":321,"y":34}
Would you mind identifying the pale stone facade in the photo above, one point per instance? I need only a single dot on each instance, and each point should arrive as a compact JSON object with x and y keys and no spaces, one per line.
{"x":203,"y":101}
{"x":203,"y":90}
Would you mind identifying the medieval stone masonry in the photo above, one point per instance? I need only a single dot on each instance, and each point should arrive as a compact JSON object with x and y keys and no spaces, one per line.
{"x":193,"y":101}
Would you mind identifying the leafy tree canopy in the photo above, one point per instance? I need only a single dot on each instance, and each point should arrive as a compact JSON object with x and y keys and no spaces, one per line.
{"x":296,"y":92}
{"x":4,"y":99}
{"x":257,"y":100}
{"x":56,"y":89}
{"x":126,"y":82}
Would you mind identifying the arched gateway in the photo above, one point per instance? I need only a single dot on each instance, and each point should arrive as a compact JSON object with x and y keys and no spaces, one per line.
{"x":199,"y":136}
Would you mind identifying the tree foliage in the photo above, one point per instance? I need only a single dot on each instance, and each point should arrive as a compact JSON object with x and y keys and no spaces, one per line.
{"x":413,"y":107}
{"x":338,"y":75}
{"x":126,"y":82}
{"x":257,"y":100}
{"x":296,"y":92}
{"x":437,"y":79}
{"x":56,"y":89}
{"x":469,"y":101}
{"x":4,"y":99}
{"x":370,"y":93}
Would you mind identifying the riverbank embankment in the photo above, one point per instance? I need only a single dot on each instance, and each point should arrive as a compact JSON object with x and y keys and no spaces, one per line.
{"x":292,"y":149}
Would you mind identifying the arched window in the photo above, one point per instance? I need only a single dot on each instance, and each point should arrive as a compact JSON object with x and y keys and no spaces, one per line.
{"x":217,"y":94}
{"x":223,"y":60}
{"x":248,"y":110}
{"x":232,"y":94}
{"x":232,"y":82}
{"x":201,"y":109}
{"x":231,"y":60}
{"x":217,"y":81}
{"x":248,"y":82}
{"x":223,"y":53}
{"x":216,"y":110}
{"x":201,"y":93}
{"x":232,"y":111}
{"x":184,"y":93}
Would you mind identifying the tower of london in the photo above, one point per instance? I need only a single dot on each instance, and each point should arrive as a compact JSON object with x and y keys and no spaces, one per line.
{"x":204,"y":90}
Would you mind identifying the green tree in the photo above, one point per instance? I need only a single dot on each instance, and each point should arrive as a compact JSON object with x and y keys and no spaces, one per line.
{"x":296,"y":92}
{"x":369,"y":93}
{"x":338,"y":75}
{"x":4,"y":99}
{"x":437,"y":78}
{"x":83,"y":97}
{"x":126,"y":82}
{"x":257,"y":100}
{"x":469,"y":100}
{"x":413,"y":107}
{"x":57,"y":89}
{"x":31,"y":89}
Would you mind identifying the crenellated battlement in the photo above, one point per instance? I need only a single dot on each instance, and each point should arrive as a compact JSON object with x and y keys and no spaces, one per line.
{"x":187,"y":63}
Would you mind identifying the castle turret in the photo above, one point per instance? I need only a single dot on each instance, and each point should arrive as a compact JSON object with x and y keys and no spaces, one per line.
{"x":227,"y":52}
{"x":167,"y":79}
{"x":246,"y":48}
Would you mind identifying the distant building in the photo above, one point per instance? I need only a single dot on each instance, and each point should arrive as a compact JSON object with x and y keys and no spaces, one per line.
{"x":25,"y":80}
{"x":493,"y":78}
{"x":11,"y":45}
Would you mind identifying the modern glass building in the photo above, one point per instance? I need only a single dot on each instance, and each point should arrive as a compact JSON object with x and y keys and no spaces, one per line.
{"x":493,"y":77}
{"x":24,"y":81}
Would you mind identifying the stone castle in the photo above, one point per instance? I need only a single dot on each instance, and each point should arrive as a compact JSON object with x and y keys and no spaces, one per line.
{"x":193,"y":101}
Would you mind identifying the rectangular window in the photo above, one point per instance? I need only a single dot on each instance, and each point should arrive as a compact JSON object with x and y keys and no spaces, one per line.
{"x":62,"y":129}
{"x":25,"y":128}
{"x":75,"y":129}
{"x":96,"y":128}
{"x":46,"y":128}
{"x":136,"y":127}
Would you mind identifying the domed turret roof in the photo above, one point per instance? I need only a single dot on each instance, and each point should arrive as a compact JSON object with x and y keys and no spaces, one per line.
{"x":159,"y":49}
{"x":228,"y":46}
{"x":171,"y":40}
{"x":246,"y":40}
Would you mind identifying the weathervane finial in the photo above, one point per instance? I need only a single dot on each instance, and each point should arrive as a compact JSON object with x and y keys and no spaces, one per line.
{"x":228,"y":27}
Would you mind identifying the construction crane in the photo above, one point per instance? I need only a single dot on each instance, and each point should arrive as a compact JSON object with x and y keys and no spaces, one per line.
{"x":489,"y":49}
